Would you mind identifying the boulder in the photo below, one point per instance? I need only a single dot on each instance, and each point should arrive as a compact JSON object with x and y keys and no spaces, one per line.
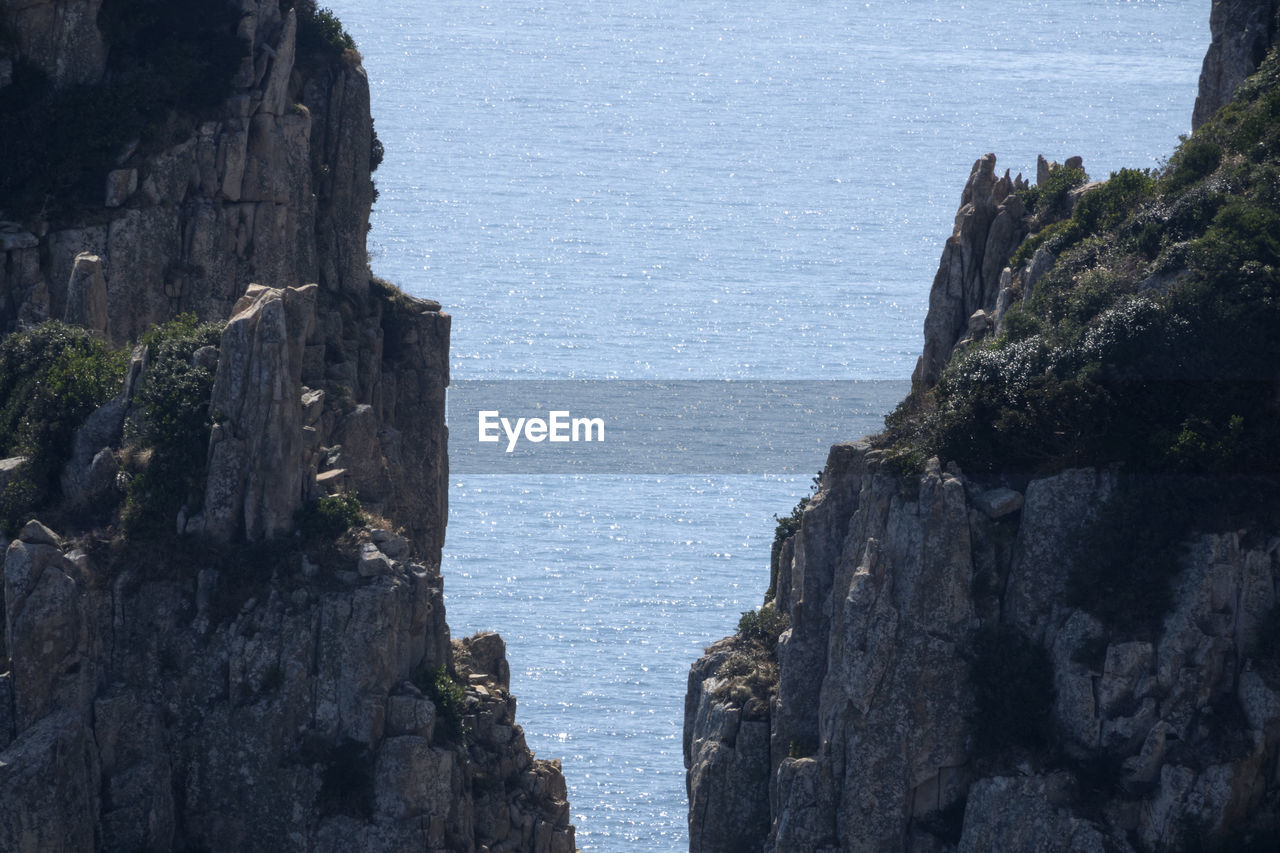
{"x":8,"y":468}
{"x":998,"y":503}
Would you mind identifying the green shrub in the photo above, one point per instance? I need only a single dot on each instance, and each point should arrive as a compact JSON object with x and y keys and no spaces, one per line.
{"x":325,"y":519}
{"x":52,"y":377}
{"x":789,"y":525}
{"x":1050,"y":198}
{"x":1103,"y":208}
{"x":1090,"y":372}
{"x":171,"y":419}
{"x":1150,"y":345}
{"x":1242,"y":233}
{"x":1048,"y":235}
{"x":1115,"y":200}
{"x":763,"y":626}
{"x":448,"y":697}
{"x":1195,"y":159}
{"x":320,"y":33}
{"x":1012,"y":680}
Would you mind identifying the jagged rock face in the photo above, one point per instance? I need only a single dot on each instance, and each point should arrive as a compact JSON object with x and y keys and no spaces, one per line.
{"x":887,"y":590}
{"x":276,"y":193}
{"x":256,"y":464}
{"x":187,"y":228}
{"x":989,"y":226}
{"x":203,"y":706}
{"x":1242,"y":31}
{"x":224,"y":692}
{"x":726,"y":747}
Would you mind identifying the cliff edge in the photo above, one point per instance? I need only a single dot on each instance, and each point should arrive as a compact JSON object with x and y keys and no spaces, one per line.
{"x":224,"y":473}
{"x":1039,"y":611}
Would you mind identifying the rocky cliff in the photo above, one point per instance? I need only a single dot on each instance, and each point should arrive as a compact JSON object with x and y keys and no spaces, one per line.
{"x":1038,"y":612}
{"x":210,"y":643}
{"x":1242,"y":32}
{"x":1105,"y":742}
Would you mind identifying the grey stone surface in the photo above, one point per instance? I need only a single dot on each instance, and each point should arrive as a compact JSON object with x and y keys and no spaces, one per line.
{"x":165,"y":699}
{"x":256,"y":483}
{"x":998,"y":503}
{"x":87,"y":294}
{"x":882,"y":710}
{"x":1161,"y":741}
{"x":218,"y":726}
{"x":988,"y":228}
{"x":1241,"y":32}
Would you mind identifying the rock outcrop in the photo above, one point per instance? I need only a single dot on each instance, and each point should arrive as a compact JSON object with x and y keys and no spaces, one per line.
{"x":989,"y":226}
{"x":1242,"y":32}
{"x":873,"y":731}
{"x":226,"y":682}
{"x":256,"y":465}
{"x":277,"y":190}
{"x":234,"y":700}
{"x":969,"y":664}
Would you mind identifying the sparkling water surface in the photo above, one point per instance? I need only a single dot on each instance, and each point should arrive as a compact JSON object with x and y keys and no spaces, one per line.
{"x":710,"y":190}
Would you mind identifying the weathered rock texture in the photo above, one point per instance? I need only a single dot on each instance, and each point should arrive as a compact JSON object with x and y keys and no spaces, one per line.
{"x":1162,"y":739}
{"x":208,"y":704}
{"x":989,"y":226}
{"x":1242,"y":31}
{"x":727,"y":742}
{"x":255,"y":480}
{"x":276,"y":191}
{"x":219,"y":689}
{"x":872,"y":735}
{"x":60,"y":36}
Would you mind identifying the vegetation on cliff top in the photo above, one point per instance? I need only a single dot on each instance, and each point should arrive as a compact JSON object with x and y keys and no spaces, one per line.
{"x":169,"y":423}
{"x":321,"y":35}
{"x":1150,"y":348}
{"x":51,"y":378}
{"x":1151,"y":342}
{"x":54,"y":376}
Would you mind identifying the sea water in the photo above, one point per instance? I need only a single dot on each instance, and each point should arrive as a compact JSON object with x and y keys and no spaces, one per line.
{"x":712,"y":191}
